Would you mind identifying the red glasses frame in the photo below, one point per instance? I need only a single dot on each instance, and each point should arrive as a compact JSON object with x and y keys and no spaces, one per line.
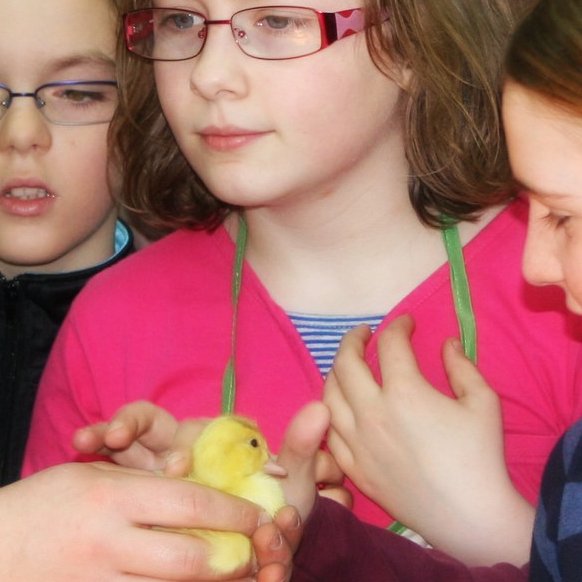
{"x":334,"y":26}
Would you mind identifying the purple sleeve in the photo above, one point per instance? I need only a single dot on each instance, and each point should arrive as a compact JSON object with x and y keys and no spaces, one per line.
{"x":337,"y":547}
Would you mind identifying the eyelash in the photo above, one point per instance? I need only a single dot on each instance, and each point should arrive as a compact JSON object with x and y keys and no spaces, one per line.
{"x":555,"y":220}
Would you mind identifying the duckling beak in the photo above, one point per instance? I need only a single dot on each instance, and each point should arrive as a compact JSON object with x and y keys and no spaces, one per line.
{"x":273,"y":468}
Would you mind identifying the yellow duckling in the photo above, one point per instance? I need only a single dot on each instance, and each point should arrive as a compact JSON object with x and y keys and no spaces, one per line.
{"x":231,"y":454}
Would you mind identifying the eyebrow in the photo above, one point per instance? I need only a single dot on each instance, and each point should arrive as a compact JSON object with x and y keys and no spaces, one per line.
{"x":520,"y":185}
{"x":535,"y":191}
{"x":95,"y":58}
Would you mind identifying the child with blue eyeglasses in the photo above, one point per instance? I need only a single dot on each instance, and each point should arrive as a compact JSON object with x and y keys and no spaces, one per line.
{"x":330,"y":165}
{"x":58,"y":215}
{"x":59,"y":228}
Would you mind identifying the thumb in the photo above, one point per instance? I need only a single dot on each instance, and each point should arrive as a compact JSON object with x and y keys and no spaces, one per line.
{"x":464,"y":377}
{"x":298,"y":454}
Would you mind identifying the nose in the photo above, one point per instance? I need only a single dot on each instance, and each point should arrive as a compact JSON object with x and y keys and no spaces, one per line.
{"x":219,"y":70}
{"x":23,"y":127}
{"x":541,"y":259}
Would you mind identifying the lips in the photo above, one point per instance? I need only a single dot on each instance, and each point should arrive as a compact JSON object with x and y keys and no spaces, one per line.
{"x":229,"y":138}
{"x":26,"y":199}
{"x":226,"y":131}
{"x":28,"y":193}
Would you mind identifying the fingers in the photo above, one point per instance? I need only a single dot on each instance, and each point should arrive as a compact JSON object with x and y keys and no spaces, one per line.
{"x":356,"y":339}
{"x":179,"y":459}
{"x":304,"y":436}
{"x":273,"y":553}
{"x":342,"y":414}
{"x":290,"y":524}
{"x":91,"y":439}
{"x":274,"y":573}
{"x":168,"y":556}
{"x":352,"y":374}
{"x":329,"y":478}
{"x":149,"y":500}
{"x":136,"y":434}
{"x":327,"y":470}
{"x":464,"y":377}
{"x":395,"y":353}
{"x":152,"y":425}
{"x":201,"y":507}
{"x":340,"y":449}
{"x":350,"y":380}
{"x":119,"y":508}
{"x":275,"y":544}
{"x":298,"y":454}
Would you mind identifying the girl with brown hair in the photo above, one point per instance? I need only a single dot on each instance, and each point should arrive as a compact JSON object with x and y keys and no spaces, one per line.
{"x":286,"y":144}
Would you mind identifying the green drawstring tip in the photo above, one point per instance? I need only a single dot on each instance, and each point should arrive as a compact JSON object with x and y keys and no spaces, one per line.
{"x":228,"y":389}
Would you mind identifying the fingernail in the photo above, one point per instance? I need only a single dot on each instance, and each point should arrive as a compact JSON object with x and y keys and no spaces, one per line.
{"x":296,"y":522}
{"x":276,"y":542}
{"x":264,"y":518}
{"x":116,"y":425}
{"x":456,"y":345}
{"x":173,"y":458}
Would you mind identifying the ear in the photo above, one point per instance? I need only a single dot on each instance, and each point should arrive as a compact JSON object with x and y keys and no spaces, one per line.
{"x":403,"y":77}
{"x":391,"y":61}
{"x":396,"y":68}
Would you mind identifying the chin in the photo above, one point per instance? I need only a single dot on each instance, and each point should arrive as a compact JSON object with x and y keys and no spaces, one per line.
{"x":574,"y":305}
{"x":30,"y":258}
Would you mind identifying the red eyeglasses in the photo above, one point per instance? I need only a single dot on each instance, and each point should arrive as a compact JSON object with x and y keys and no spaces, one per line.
{"x":264,"y":32}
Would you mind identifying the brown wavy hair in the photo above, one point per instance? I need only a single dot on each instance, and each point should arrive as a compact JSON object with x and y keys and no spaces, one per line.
{"x":454,"y":141}
{"x":545,"y":55}
{"x":161,"y":192}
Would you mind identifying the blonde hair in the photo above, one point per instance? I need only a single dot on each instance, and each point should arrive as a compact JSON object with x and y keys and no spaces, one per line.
{"x":454,"y":142}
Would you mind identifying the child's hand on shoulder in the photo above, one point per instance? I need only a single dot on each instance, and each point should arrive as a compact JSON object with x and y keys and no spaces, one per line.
{"x":427,"y":458}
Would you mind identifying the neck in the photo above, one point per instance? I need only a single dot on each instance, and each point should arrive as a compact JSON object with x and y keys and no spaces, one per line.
{"x":337,"y":252}
{"x":359,"y":257}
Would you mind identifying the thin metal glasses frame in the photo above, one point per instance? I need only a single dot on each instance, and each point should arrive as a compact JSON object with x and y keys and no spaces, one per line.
{"x":40,"y":103}
{"x":334,"y":26}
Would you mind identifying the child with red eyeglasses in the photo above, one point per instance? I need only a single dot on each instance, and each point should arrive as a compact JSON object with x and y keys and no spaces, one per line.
{"x":324,"y":166}
{"x":58,"y":228}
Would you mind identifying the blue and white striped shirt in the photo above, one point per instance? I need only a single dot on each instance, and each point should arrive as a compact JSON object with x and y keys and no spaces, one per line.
{"x":322,"y":333}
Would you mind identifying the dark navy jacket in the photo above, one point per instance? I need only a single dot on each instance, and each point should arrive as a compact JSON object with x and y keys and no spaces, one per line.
{"x":32,"y":308}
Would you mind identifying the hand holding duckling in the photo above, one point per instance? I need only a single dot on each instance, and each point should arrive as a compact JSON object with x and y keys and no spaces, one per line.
{"x":139,"y":434}
{"x":231,"y":455}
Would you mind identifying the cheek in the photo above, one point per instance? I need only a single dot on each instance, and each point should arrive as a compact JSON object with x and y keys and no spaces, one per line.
{"x":90,"y":155}
{"x":572,"y":267}
{"x":364,"y":110}
{"x":87,"y":169}
{"x":170,"y":97}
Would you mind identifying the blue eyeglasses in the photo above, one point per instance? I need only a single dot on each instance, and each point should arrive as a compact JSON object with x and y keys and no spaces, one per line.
{"x":69,"y":102}
{"x":264,"y":32}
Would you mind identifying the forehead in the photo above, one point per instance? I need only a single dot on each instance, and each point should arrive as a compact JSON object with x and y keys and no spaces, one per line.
{"x":37,"y":36}
{"x":544,"y":142}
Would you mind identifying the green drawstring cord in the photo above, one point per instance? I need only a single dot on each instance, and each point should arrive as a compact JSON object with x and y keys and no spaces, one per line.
{"x":229,"y":378}
{"x":463,"y":308}
{"x":461,"y":298}
{"x":461,"y":292}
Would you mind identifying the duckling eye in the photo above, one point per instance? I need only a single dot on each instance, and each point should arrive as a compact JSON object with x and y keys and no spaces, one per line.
{"x":254,"y":443}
